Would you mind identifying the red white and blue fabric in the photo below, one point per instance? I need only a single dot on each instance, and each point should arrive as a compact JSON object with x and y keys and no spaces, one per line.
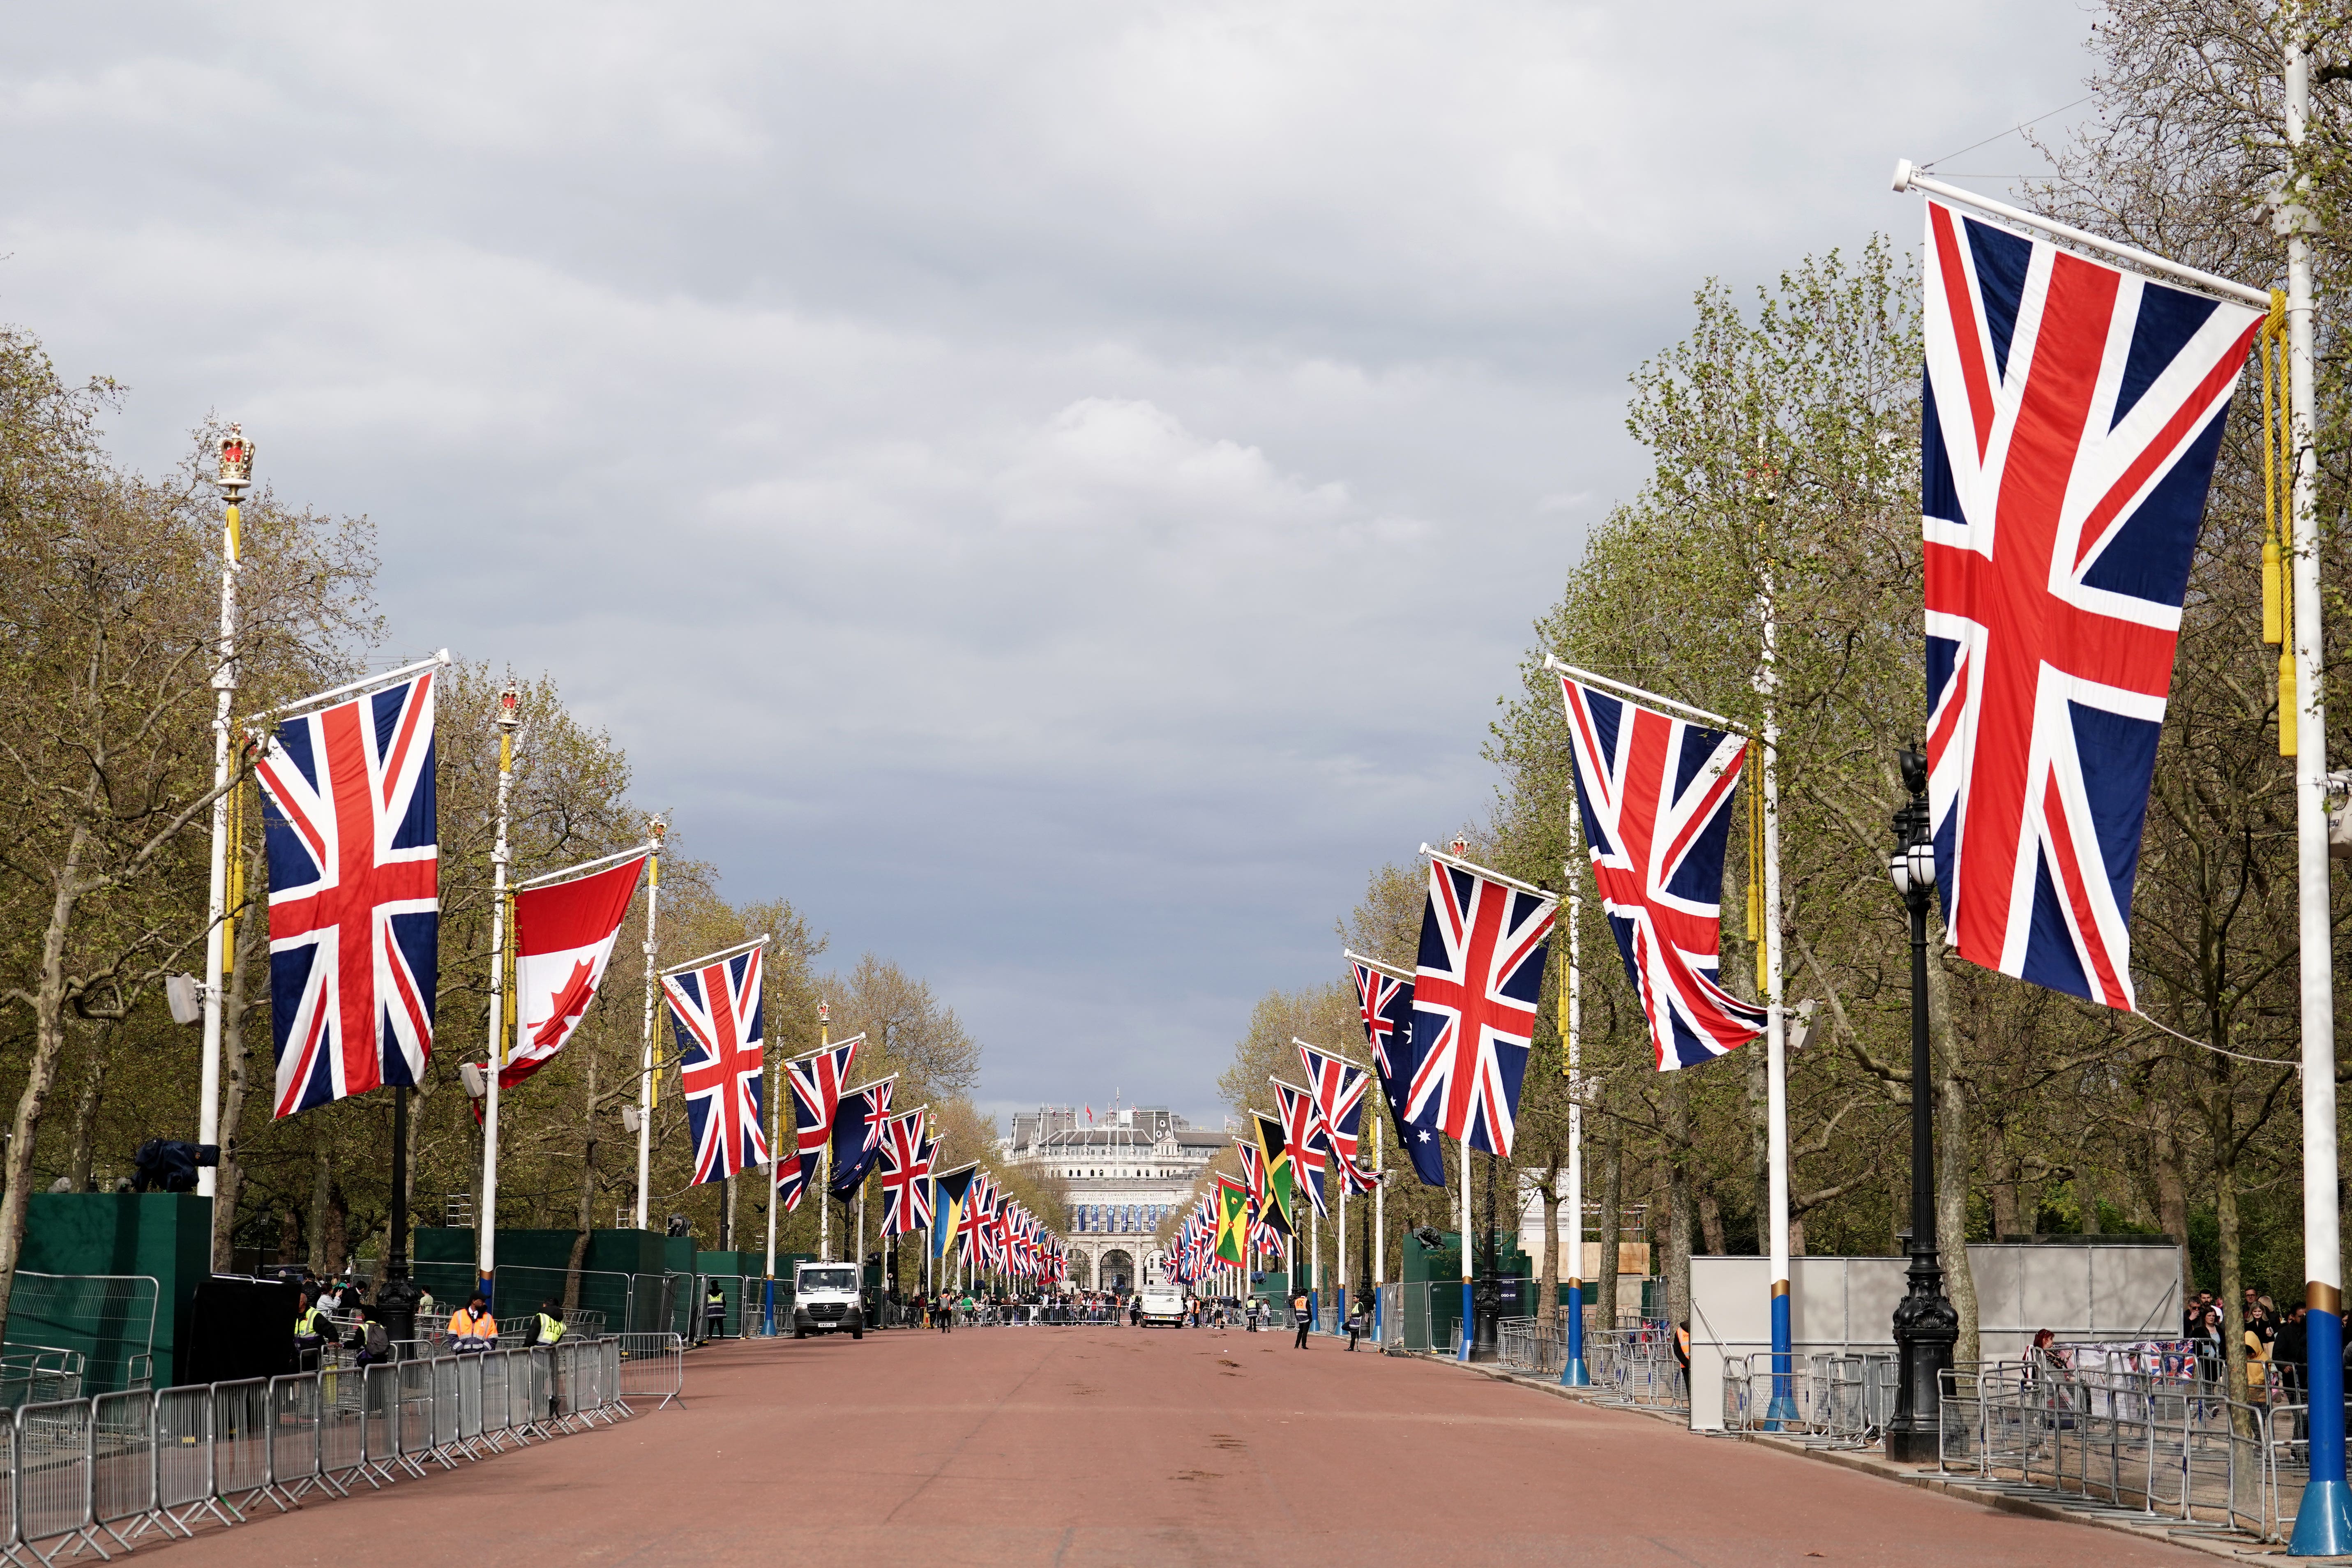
{"x":1302,"y":1129}
{"x":814,"y":1081}
{"x":1339,"y":1088}
{"x":1385,"y":1004}
{"x":715,"y":1011}
{"x":1655,"y":795}
{"x":973,"y":1223}
{"x":1473,"y":1004}
{"x":857,"y":1133}
{"x":354,"y":895}
{"x":2072,"y":414}
{"x":905,"y":1176}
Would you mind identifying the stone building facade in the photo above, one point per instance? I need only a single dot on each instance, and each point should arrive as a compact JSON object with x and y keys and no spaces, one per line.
{"x":1125,"y":1172}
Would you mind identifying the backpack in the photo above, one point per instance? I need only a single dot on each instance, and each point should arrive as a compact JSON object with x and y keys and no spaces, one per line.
{"x":377,"y":1340}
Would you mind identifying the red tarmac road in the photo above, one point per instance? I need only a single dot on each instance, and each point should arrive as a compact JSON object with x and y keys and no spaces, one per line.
{"x":1100,"y":1446}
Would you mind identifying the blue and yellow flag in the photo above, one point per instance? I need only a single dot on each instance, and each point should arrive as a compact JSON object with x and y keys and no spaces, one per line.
{"x":949,"y":1194}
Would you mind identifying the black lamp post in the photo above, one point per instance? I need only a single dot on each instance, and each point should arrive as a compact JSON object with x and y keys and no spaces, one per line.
{"x":1486,"y":1299}
{"x":1926,"y":1327}
{"x":396,"y":1294}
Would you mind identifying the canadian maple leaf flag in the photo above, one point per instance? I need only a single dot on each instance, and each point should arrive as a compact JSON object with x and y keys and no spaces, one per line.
{"x":563,"y":938}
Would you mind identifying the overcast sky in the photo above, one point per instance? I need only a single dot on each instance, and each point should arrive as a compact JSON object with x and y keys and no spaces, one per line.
{"x":1053,"y":490}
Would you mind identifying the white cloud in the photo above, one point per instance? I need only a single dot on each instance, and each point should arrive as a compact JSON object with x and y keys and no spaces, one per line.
{"x":1054,"y":489}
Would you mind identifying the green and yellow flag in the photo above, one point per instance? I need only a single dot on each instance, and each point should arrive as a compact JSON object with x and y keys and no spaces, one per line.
{"x":1232,"y":1222}
{"x":1275,"y":1207}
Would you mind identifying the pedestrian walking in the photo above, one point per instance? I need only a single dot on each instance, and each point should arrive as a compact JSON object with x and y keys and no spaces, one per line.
{"x":1355,"y":1323}
{"x":1298,"y":1313}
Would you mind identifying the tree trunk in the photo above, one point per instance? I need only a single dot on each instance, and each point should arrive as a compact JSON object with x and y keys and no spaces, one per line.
{"x":322,"y":1194}
{"x":2171,"y":1196}
{"x":1548,"y":1299}
{"x":83,"y":1157}
{"x":1952,"y":1162}
{"x":1710,"y":1220}
{"x":1759,"y":1145}
{"x":228,"y":1183}
{"x":1612,"y":1203}
{"x":2003,"y":1193}
{"x":40,"y":1073}
{"x":587,"y":1197}
{"x":1678,"y":1200}
{"x":2233,"y":1309}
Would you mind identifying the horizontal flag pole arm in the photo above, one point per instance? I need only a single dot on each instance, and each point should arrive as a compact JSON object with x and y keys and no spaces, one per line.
{"x":1390,"y":970}
{"x":647,"y":847}
{"x":759,"y":941}
{"x":875,"y":1083}
{"x":959,"y":1171}
{"x":1489,"y":873}
{"x":320,"y":699}
{"x":858,"y":1038}
{"x":1335,"y":1055}
{"x":1554,"y":662}
{"x":1908,"y":178}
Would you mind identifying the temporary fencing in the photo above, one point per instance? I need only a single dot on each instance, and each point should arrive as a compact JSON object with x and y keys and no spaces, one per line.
{"x":1840,"y":1399}
{"x":100,"y":1328}
{"x":106,"y":1470}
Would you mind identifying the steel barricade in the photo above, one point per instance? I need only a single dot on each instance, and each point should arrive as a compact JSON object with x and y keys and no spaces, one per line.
{"x":123,"y":1460}
{"x":522,"y":1416}
{"x":540,"y":1393}
{"x":294,"y":1433}
{"x":9,"y":1534}
{"x":466,"y":1376}
{"x":651,"y":1364}
{"x":342,"y":1450}
{"x":563,"y":1387}
{"x":494,"y":1412}
{"x":379,"y":1397}
{"x":53,"y":1475}
{"x":184,"y":1458}
{"x":413,"y":1429}
{"x":442,"y":1410}
{"x":241,"y":1444}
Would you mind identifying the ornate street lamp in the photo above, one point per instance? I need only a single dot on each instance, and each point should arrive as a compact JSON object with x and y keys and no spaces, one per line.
{"x":1926,"y":1327}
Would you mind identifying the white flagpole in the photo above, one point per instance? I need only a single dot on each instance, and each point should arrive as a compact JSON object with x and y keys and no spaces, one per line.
{"x":775,"y":1124}
{"x":235,"y":473}
{"x":2323,"y":1524}
{"x":486,"y":1222}
{"x":825,"y":1155}
{"x":1573,"y":1373}
{"x":1466,"y":1309}
{"x":1783,"y":1406}
{"x":646,"y":1084}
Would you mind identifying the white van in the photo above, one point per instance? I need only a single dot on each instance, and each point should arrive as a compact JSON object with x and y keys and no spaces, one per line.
{"x":826,"y":1301}
{"x":1163,"y":1304}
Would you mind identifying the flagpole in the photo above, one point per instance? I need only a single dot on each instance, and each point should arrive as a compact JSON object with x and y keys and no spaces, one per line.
{"x":775,"y":1123}
{"x":1783,"y":1406}
{"x":234,"y":474}
{"x":1464,"y":1353}
{"x":2323,"y":1523}
{"x":825,"y":1155}
{"x":1379,"y":1223}
{"x":1573,"y":1373}
{"x":645,"y":1035}
{"x":486,"y":1222}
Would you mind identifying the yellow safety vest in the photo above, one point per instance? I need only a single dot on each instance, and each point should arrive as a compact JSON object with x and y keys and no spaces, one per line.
{"x":549,"y":1329}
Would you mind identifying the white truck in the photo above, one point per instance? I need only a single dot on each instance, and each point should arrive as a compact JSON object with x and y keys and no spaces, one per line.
{"x":826,"y":1301}
{"x":1163,"y":1304}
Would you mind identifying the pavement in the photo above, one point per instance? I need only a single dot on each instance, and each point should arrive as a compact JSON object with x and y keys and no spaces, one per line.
{"x":1109,"y":1447}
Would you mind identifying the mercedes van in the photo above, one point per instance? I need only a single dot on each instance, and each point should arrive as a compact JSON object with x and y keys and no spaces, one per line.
{"x":826,"y":1301}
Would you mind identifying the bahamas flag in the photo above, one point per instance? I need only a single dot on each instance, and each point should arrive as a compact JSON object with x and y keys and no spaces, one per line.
{"x":1232,"y":1222}
{"x":1276,"y":1205}
{"x":949,"y":1194}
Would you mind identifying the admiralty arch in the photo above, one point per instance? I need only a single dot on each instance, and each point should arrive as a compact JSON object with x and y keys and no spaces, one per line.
{"x":1125,"y":1172}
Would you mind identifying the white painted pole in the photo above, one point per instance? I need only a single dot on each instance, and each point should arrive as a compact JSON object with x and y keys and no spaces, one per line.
{"x":645,"y":1035}
{"x":1783,"y":1406}
{"x":2323,"y":1524}
{"x":486,"y":1224}
{"x":1572,"y":1372}
{"x":776,"y":1092}
{"x":236,"y":471}
{"x":1467,"y":1326}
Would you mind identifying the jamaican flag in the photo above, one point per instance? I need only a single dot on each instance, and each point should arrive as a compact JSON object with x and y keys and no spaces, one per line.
{"x":949,"y":1194}
{"x":1232,"y":1222}
{"x":1276,"y":1206}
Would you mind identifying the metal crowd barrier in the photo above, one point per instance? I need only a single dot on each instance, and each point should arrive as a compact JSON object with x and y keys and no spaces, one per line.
{"x":1637,"y":1367}
{"x":101,"y":1471}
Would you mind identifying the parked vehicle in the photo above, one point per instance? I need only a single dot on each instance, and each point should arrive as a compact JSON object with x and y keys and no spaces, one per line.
{"x":1163,"y":1304}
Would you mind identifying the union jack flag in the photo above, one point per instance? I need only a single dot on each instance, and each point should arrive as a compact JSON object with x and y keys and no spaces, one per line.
{"x":715,"y":1011}
{"x":974,"y":1223}
{"x":815,"y":1080}
{"x":1655,"y":795}
{"x":906,"y":1173}
{"x":1385,"y":1003}
{"x":2072,"y":412}
{"x":1339,"y":1088}
{"x":354,"y":895}
{"x":1302,"y":1129}
{"x":857,"y":1133}
{"x":1474,"y":1003}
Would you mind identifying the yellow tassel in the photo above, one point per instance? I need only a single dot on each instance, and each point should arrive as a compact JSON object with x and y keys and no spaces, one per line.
{"x":2273,"y":612}
{"x":2286,"y":703}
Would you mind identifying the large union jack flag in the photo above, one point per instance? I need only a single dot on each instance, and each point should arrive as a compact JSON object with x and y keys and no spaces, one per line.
{"x":971,"y":1230}
{"x":354,"y":895}
{"x":814,"y":1081}
{"x":906,"y":1175}
{"x":2072,"y":414}
{"x":857,"y":1133}
{"x":1655,"y":795}
{"x":1338,"y":1086}
{"x":715,"y":1011}
{"x":1385,"y":1004}
{"x":1474,"y":1003}
{"x":1302,"y":1129}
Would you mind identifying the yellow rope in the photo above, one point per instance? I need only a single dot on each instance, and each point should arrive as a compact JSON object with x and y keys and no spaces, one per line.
{"x":2278,"y":604}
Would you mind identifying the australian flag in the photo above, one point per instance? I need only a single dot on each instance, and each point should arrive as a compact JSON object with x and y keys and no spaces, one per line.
{"x":857,"y":1134}
{"x":1385,"y":1004}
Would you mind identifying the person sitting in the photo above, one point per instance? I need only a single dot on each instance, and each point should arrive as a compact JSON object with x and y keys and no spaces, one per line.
{"x":471,"y":1327}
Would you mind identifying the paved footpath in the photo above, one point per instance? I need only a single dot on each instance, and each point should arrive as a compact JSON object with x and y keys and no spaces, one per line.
{"x":1095,"y":1447}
